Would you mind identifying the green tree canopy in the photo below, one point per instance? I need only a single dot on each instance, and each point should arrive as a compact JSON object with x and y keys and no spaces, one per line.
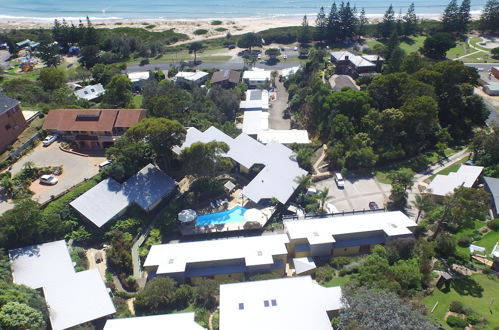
{"x":249,"y":40}
{"x":194,"y":48}
{"x":49,"y":53}
{"x":437,"y":45}
{"x":489,"y":20}
{"x":19,"y":316}
{"x":157,"y":297}
{"x":118,"y":92}
{"x":52,"y":78}
{"x":206,"y":159}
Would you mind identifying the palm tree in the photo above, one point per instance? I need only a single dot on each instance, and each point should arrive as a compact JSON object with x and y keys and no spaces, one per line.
{"x":7,"y":184}
{"x":422,"y":203}
{"x":323,"y":196}
{"x":304,"y":181}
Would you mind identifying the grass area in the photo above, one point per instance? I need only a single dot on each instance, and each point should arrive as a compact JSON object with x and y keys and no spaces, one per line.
{"x":417,"y":164}
{"x":31,"y":130}
{"x":409,"y":46}
{"x":479,"y":292}
{"x":481,"y":57}
{"x":207,"y":55}
{"x":477,"y":224}
{"x":453,"y":168}
{"x":488,"y":241}
{"x":137,"y":101}
{"x":462,"y":48}
{"x":338,"y":281}
{"x":474,"y":42}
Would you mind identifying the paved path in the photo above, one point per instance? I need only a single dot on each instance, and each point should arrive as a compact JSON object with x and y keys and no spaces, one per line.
{"x":276,"y":113}
{"x":460,"y":57}
{"x":338,"y":82}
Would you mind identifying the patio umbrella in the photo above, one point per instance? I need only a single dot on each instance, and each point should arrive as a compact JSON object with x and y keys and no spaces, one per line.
{"x":187,"y":216}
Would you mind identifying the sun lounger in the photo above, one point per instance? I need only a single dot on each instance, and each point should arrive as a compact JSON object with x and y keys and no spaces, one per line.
{"x":212,"y":205}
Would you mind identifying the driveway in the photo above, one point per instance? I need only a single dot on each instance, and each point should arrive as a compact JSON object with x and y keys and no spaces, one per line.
{"x":74,"y":170}
{"x":276,"y":112}
{"x":357,"y":194}
{"x":338,"y":82}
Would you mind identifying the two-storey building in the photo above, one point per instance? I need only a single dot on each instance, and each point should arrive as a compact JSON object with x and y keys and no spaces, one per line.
{"x":12,"y":122}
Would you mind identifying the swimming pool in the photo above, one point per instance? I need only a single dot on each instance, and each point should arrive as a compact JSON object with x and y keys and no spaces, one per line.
{"x":235,"y":214}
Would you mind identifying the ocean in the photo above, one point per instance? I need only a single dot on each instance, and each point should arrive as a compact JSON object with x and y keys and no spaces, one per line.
{"x":45,"y":10}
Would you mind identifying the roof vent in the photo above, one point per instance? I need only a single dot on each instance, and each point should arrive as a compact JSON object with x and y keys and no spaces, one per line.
{"x":171,"y":261}
{"x":316,"y":234}
{"x":274,"y":302}
{"x":266,"y":303}
{"x":259,"y":253}
{"x":393,"y":225}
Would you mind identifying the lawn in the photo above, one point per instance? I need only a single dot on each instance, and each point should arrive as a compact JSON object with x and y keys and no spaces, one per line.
{"x":479,"y":292}
{"x":410,"y":45}
{"x":474,"y":42}
{"x":137,"y":101}
{"x":461,"y":49}
{"x":488,"y":241}
{"x":338,"y":281}
{"x":453,"y":168}
{"x":481,"y":57}
{"x":477,"y":224}
{"x":207,"y":55}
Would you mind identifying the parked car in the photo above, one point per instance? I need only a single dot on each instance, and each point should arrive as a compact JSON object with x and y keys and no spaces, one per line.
{"x":48,"y":179}
{"x":285,"y":56}
{"x":231,"y":46}
{"x":311,"y":191}
{"x":295,"y":49}
{"x":338,"y":178}
{"x":373,"y":206}
{"x":469,"y":162}
{"x":330,"y":208}
{"x":105,"y":163}
{"x":50,"y":139}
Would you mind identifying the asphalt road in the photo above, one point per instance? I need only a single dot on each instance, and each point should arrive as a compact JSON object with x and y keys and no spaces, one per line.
{"x":234,"y":65}
{"x":276,"y":112}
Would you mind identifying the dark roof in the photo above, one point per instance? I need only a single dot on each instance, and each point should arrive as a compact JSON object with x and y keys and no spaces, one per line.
{"x":493,"y":185}
{"x":229,"y":75}
{"x":92,"y":119}
{"x":6,"y":103}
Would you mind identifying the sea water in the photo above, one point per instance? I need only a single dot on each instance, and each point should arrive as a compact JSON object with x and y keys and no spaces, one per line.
{"x":198,"y":9}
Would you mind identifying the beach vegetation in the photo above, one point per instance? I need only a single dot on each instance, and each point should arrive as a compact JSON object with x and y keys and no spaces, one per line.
{"x":249,"y":40}
{"x":305,"y":35}
{"x":216,"y":22}
{"x":200,"y":32}
{"x":222,"y":29}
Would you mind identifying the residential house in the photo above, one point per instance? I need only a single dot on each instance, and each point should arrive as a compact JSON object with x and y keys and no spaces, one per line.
{"x":177,"y":321}
{"x":92,"y":128}
{"x":255,"y":121}
{"x":495,"y":71}
{"x":220,"y":259}
{"x":226,"y":78}
{"x":73,"y":297}
{"x":138,"y":79}
{"x":191,"y":79}
{"x":344,"y":235}
{"x":109,"y":199}
{"x":492,"y":187}
{"x":257,"y":78}
{"x":286,"y":136}
{"x":351,"y":64}
{"x":12,"y":121}
{"x":465,"y":176}
{"x":90,"y":93}
{"x":256,"y":99}
{"x":277,"y":179}
{"x":295,"y":303}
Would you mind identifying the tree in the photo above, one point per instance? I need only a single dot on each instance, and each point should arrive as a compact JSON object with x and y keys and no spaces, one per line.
{"x":423,"y":202}
{"x":162,"y":135}
{"x":376,"y":309}
{"x":206,"y":159}
{"x":249,"y":40}
{"x":118,"y":92}
{"x":119,"y":256}
{"x":272,"y":52}
{"x":464,"y":15}
{"x":489,"y":20}
{"x":387,"y":26}
{"x":361,"y":29}
{"x":333,"y":24}
{"x":52,"y":78}
{"x":304,"y":181}
{"x":323,"y":196}
{"x":412,"y":63}
{"x":485,"y":146}
{"x":445,"y":245}
{"x":19,"y":316}
{"x":128,"y":157}
{"x":450,"y":17}
{"x":305,"y":35}
{"x":410,"y":21}
{"x":194,"y":48}
{"x":348,"y":21}
{"x":320,"y":26}
{"x":402,"y":179}
{"x":89,"y":56}
{"x":49,"y":53}
{"x":437,"y":45}
{"x":206,"y":294}
{"x":157,"y":297}
{"x":495,"y":52}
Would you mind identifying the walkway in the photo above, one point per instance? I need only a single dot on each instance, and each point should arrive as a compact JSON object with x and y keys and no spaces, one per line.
{"x":276,"y":112}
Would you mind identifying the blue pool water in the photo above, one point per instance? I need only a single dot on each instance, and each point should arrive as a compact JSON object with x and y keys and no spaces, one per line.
{"x":235,"y":214}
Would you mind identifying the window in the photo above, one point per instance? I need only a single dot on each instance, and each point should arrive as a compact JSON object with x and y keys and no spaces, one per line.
{"x":241,"y":306}
{"x":92,"y":90}
{"x":266,"y":303}
{"x":274,"y":302}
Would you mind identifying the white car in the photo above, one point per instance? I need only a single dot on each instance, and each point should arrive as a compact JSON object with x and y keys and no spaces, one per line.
{"x":259,"y":56}
{"x":338,"y":178}
{"x":49,"y":140}
{"x":330,"y":208}
{"x":104,"y":164}
{"x":48,"y":179}
{"x":295,"y":49}
{"x":285,"y":56}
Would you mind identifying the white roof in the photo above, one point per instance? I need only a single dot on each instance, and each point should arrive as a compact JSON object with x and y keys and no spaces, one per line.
{"x":373,"y":58}
{"x":466,"y":176}
{"x":295,"y":303}
{"x":255,"y":121}
{"x":323,"y":230}
{"x":191,"y":76}
{"x":109,"y":198}
{"x":256,"y":99}
{"x":73,"y":298}
{"x":341,"y":56}
{"x":276,"y":179}
{"x":303,"y":265}
{"x":136,"y":76}
{"x":179,"y":321}
{"x":286,"y":73}
{"x":90,"y":92}
{"x":257,"y":75}
{"x":283,"y":136}
{"x":356,"y":60}
{"x":257,"y":250}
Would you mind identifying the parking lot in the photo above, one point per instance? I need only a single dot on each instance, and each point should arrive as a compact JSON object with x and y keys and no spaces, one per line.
{"x":357,"y":194}
{"x":75,"y":169}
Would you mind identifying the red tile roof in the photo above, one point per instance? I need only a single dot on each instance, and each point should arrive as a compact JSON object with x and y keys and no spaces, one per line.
{"x":92,"y":119}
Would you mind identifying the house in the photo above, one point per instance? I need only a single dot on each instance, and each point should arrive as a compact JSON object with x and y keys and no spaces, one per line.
{"x":28,"y":43}
{"x":351,"y":64}
{"x":275,"y":180}
{"x":138,"y":79}
{"x":295,"y":303}
{"x":92,"y":128}
{"x":73,"y":297}
{"x":255,"y":121}
{"x":465,"y":176}
{"x":178,"y":321}
{"x":109,"y":199}
{"x":12,"y":121}
{"x":257,"y":78}
{"x":491,"y":88}
{"x":286,"y":136}
{"x":344,"y":235}
{"x":90,"y":93}
{"x":495,"y":71}
{"x":256,"y":99}
{"x":492,"y":187}
{"x":190,"y":79}
{"x":288,"y":72}
{"x":220,"y":259}
{"x":226,"y":78}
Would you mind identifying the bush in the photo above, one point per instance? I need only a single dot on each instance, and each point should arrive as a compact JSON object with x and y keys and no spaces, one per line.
{"x":464,"y":241}
{"x":199,"y":32}
{"x":324,"y":273}
{"x":474,"y":318}
{"x":493,"y":224}
{"x":462,"y":255}
{"x":456,"y":307}
{"x":220,"y":29}
{"x":340,"y":262}
{"x":216,"y":22}
{"x":456,"y":322}
{"x":144,"y":62}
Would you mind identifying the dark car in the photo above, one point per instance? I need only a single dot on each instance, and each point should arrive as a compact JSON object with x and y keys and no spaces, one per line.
{"x":231,"y":46}
{"x":373,"y":206}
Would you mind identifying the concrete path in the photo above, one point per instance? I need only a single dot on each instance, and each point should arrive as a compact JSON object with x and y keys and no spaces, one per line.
{"x":276,"y":112}
{"x":460,"y":57}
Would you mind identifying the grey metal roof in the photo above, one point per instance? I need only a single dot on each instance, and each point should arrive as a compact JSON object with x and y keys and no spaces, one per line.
{"x":255,"y":94}
{"x":109,"y":198}
{"x":493,"y":185}
{"x":6,"y":103}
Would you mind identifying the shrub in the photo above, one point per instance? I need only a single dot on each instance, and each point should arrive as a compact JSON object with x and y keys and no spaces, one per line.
{"x":464,"y":241}
{"x":474,"y":318}
{"x":199,"y":32}
{"x":493,"y":224}
{"x":150,"y":26}
{"x":340,"y":262}
{"x":220,"y":29}
{"x":456,"y":307}
{"x":144,"y":62}
{"x":456,"y":322}
{"x":216,"y":22}
{"x":462,"y":255}
{"x":324,"y":273}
